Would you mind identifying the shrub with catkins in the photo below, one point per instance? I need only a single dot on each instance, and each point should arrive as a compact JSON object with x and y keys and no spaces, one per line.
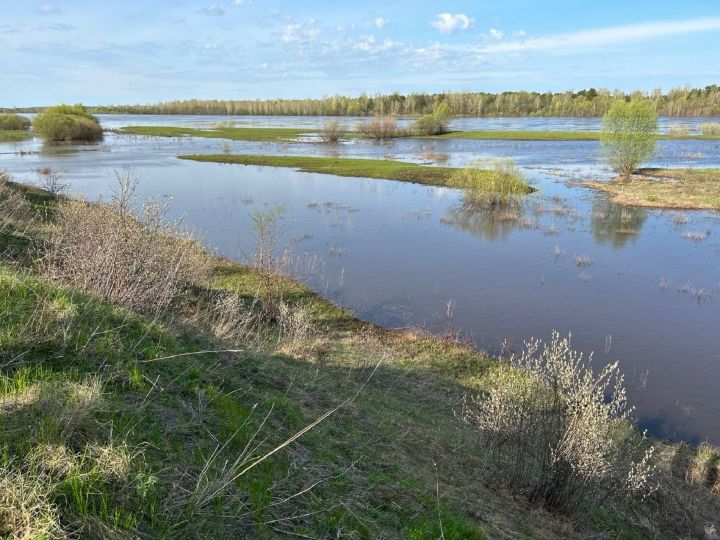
{"x":560,"y":432}
{"x":133,"y":256}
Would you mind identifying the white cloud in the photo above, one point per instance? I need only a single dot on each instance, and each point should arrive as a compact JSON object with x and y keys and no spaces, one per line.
{"x":48,"y":9}
{"x":369,"y":44}
{"x":379,"y":22}
{"x":238,"y":2}
{"x":447,"y":23}
{"x":300,"y":33}
{"x":214,"y":10}
{"x":608,"y":35}
{"x":497,"y":34}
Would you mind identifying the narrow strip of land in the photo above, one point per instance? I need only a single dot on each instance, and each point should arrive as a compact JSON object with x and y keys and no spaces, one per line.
{"x":12,"y":135}
{"x":294,"y":134}
{"x":544,"y":135}
{"x":361,"y":168}
{"x":666,"y":188}
{"x":231,"y":133}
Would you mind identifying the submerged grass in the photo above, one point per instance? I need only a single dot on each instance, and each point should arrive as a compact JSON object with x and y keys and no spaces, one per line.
{"x":666,"y":188}
{"x":232,"y":133}
{"x":362,"y":168}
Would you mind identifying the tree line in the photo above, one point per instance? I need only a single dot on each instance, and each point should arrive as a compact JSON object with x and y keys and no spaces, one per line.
{"x":591,"y":102}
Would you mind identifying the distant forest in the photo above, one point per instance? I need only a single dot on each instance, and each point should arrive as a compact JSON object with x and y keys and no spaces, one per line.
{"x":592,"y":102}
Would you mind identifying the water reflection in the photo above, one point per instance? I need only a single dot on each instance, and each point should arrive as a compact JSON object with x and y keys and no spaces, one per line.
{"x":614,"y":224}
{"x":491,"y":222}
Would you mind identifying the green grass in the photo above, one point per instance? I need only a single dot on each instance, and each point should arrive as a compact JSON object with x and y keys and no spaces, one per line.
{"x":531,"y":135}
{"x":13,"y":135}
{"x":361,"y":168}
{"x":292,"y":134}
{"x":232,"y":133}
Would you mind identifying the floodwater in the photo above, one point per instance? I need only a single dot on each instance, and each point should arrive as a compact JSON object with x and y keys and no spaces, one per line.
{"x":634,"y":285}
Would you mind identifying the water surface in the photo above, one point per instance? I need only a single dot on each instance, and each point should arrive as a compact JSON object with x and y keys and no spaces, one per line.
{"x":626,"y":282}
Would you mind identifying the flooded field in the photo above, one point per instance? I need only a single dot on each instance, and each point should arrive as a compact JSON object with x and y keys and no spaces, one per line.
{"x":635,"y":285}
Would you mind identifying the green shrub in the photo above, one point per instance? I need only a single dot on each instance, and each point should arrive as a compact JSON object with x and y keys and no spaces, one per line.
{"x":14,"y":122}
{"x":435,"y":123}
{"x":629,"y":134}
{"x":68,"y":123}
{"x":499,"y":185}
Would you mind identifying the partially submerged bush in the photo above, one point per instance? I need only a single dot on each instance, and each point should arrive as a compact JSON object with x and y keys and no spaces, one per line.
{"x":68,"y":123}
{"x":678,"y":129}
{"x":331,"y":132}
{"x":435,"y":123}
{"x":379,"y":128}
{"x":710,"y":128}
{"x":14,"y":122}
{"x":501,"y":184}
{"x":629,"y":134}
{"x":560,"y":432}
{"x":133,"y":256}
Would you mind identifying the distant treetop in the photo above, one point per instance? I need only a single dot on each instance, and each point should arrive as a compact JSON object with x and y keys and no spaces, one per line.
{"x":590,"y":102}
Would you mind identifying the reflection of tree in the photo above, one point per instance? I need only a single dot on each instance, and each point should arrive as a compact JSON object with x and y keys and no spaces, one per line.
{"x":615,"y":224}
{"x":491,"y":222}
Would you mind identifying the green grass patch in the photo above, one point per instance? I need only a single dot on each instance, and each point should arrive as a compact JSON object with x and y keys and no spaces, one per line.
{"x":293,"y":134}
{"x":232,"y":133}
{"x":540,"y":135}
{"x":361,"y":168}
{"x":15,"y":135}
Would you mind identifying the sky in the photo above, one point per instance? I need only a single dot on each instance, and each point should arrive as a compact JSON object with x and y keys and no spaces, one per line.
{"x":146,"y":51}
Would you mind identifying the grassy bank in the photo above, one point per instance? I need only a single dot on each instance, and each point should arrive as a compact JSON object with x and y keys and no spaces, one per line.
{"x":527,"y":135}
{"x":119,"y":423}
{"x":291,"y":134}
{"x":666,"y":188}
{"x":362,"y":168}
{"x":231,"y":133}
{"x":14,"y":135}
{"x":539,"y":135}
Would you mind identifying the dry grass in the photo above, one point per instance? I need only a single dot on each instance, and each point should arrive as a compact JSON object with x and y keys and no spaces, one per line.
{"x":133,"y":256}
{"x":15,"y":210}
{"x":26,"y":513}
{"x":666,"y":188}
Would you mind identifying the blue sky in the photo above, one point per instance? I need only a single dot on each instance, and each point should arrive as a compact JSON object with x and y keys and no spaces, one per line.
{"x":139,"y":51}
